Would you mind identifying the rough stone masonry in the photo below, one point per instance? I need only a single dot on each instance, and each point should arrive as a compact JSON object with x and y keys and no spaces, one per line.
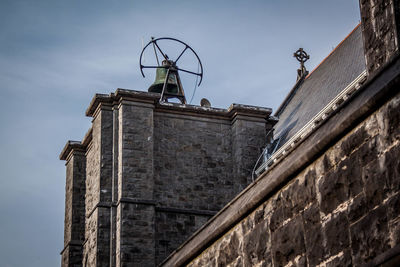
{"x":342,"y":210}
{"x":146,"y":176}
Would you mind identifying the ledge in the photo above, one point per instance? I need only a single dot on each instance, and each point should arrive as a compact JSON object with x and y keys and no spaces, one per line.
{"x":72,"y":243}
{"x":374,"y":93}
{"x":76,"y":145}
{"x":186,"y":211}
{"x":153,"y":98}
{"x":69,"y":147}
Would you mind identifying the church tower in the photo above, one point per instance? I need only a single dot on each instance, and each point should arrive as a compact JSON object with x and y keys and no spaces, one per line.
{"x":147,"y":175}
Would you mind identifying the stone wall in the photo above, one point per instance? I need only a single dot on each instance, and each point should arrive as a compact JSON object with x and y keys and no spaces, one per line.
{"x":90,"y":244}
{"x":192,"y":175}
{"x":199,"y":166}
{"x":192,"y":161}
{"x":341,"y":210}
{"x":381,"y":26}
{"x":135,"y":209}
{"x":172,"y":228}
{"x":96,"y":249}
{"x":246,"y":144}
{"x":155,"y":173}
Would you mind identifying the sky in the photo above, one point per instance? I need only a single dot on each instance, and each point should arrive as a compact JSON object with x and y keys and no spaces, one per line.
{"x":56,"y":54}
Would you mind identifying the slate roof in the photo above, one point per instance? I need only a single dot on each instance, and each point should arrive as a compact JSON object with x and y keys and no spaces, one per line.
{"x":345,"y":63}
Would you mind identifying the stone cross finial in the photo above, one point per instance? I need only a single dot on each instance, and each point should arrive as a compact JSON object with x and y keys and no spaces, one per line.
{"x":302,"y":57}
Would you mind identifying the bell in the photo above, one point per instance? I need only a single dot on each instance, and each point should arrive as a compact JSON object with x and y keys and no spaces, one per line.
{"x":172,"y":83}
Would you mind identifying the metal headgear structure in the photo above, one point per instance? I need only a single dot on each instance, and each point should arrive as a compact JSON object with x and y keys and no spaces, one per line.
{"x":167,"y":81}
{"x":302,"y":57}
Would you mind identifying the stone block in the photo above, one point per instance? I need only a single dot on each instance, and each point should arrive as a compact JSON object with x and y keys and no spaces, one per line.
{"x":171,"y":229}
{"x":394,"y":228}
{"x":393,"y":212}
{"x":357,"y":208}
{"x":256,"y":245}
{"x":392,"y":120}
{"x":327,"y":164}
{"x":370,"y":236}
{"x":350,"y":172}
{"x":392,"y":166}
{"x":366,"y":152}
{"x":333,"y":190}
{"x":288,"y":242}
{"x":393,"y":207}
{"x":352,"y":141}
{"x":259,"y":216}
{"x":337,"y":233}
{"x":375,"y":186}
{"x":283,"y":209}
{"x":247,"y":225}
{"x":300,"y":261}
{"x":313,"y":235}
{"x":228,"y":250}
{"x":302,"y":191}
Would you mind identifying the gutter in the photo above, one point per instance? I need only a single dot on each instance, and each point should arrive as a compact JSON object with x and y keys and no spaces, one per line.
{"x":312,"y":125}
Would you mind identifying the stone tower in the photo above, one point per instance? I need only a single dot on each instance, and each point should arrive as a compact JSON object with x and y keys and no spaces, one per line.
{"x":148,"y":175}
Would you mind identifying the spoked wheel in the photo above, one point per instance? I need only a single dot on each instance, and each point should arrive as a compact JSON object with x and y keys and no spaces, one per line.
{"x":167,"y":77}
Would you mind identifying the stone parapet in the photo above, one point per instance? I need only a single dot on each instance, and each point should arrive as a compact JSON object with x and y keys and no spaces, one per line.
{"x":120,"y":95}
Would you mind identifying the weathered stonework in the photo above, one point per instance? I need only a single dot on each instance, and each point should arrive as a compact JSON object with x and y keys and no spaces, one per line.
{"x":98,"y":189}
{"x":74,"y":205}
{"x":341,"y":210}
{"x":381,"y":29}
{"x":172,"y":227}
{"x":156,"y":173}
{"x":147,"y":176}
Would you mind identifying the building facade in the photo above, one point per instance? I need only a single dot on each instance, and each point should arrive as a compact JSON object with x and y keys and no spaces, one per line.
{"x":171,"y":185}
{"x":148,"y":175}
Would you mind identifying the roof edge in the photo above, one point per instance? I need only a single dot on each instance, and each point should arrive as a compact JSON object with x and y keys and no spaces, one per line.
{"x":289,"y":96}
{"x":293,"y":91}
{"x":345,"y":38}
{"x":315,"y":122}
{"x":69,"y":147}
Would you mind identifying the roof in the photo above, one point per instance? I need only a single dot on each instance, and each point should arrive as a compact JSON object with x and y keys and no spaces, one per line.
{"x":342,"y":66}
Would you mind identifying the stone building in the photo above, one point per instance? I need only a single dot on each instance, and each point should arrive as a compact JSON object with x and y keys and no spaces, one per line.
{"x":149,"y":183}
{"x":147,"y":175}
